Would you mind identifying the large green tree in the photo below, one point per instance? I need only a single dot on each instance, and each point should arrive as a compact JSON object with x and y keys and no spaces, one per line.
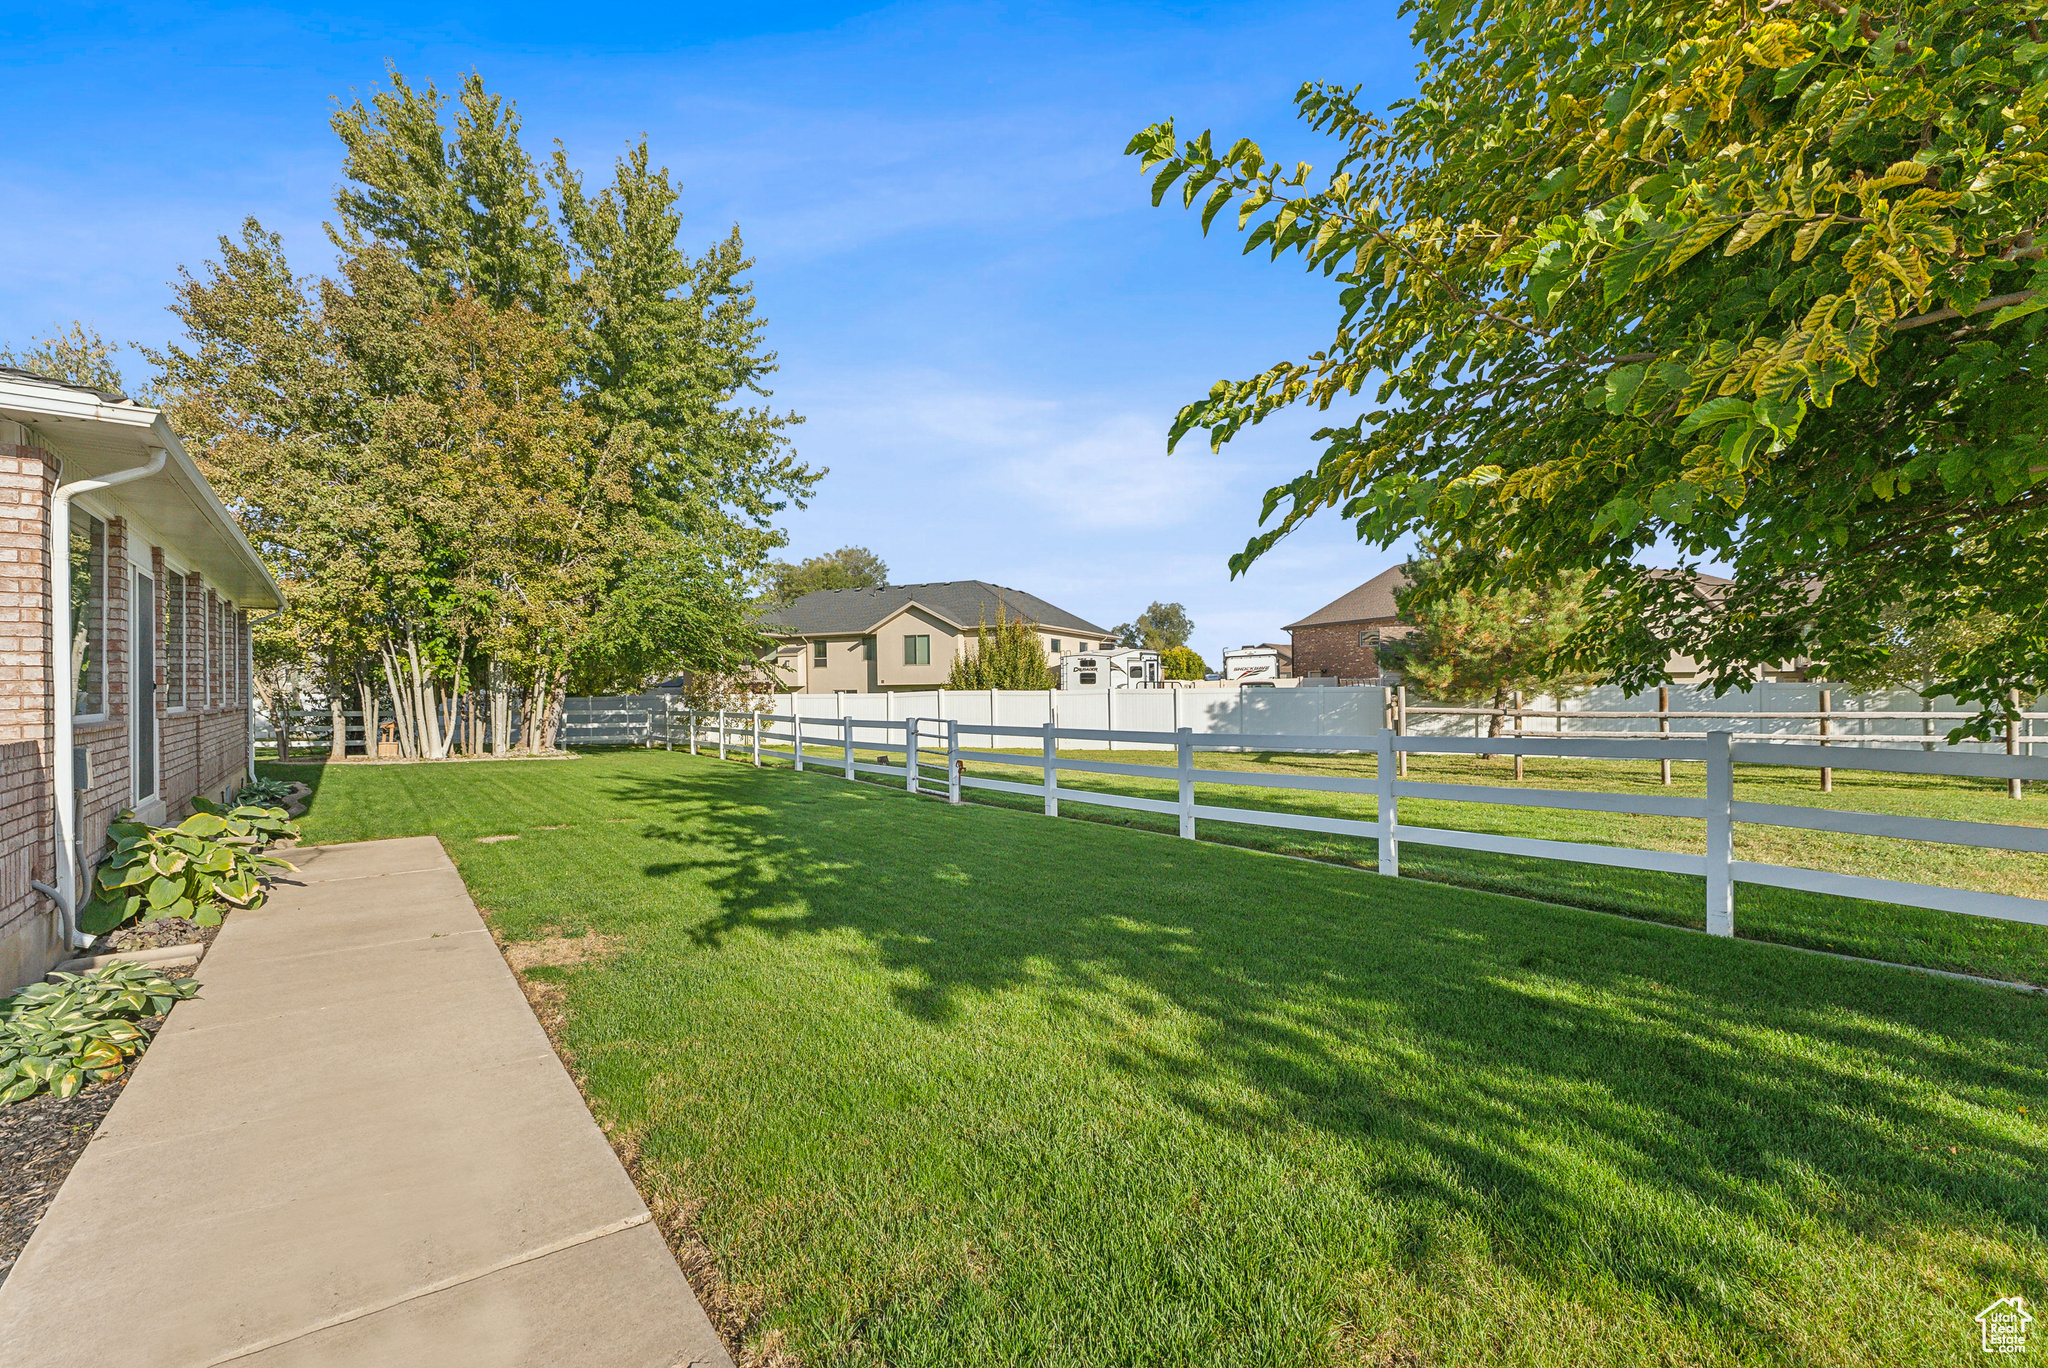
{"x":1473,"y":646}
{"x":1161,"y":627}
{"x":850,"y":567}
{"x":1757,"y":279}
{"x":512,"y":437}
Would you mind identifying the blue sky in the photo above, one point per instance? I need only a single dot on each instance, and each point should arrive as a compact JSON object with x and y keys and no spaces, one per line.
{"x":984,"y":322}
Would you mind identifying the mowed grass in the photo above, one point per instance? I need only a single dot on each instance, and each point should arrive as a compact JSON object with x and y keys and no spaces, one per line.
{"x":967,"y":1086}
{"x":1902,"y":935}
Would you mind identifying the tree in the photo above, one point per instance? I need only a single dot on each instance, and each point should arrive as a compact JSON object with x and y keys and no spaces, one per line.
{"x":509,"y":441}
{"x":1009,"y":655}
{"x":1179,"y":662}
{"x":850,"y":567}
{"x":77,"y":355}
{"x":1760,"y":279}
{"x":1478,"y":647}
{"x":1916,"y":654}
{"x":1158,"y":628}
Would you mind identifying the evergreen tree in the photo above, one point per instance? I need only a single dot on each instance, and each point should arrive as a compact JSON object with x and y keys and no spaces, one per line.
{"x":1009,"y":655}
{"x":1482,"y":647}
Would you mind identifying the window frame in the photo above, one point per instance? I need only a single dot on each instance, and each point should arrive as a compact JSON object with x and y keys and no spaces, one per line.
{"x":95,"y":626}
{"x":917,"y":648}
{"x":818,"y":656}
{"x":172,"y":592}
{"x":868,"y":650}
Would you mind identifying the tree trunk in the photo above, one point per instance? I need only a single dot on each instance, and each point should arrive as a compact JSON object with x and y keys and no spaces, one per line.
{"x":337,"y":712}
{"x":366,"y":692}
{"x":426,"y":704}
{"x":500,"y":685}
{"x":400,"y":698}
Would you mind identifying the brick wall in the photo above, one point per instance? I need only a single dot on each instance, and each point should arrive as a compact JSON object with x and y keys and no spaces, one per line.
{"x":203,"y":747}
{"x":28,"y":926}
{"x":1335,"y":651}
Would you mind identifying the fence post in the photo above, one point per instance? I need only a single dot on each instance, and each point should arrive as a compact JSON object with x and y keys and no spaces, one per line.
{"x":2014,"y":788}
{"x":796,"y":732}
{"x":1052,"y":774}
{"x":696,"y":726}
{"x":1184,"y":743}
{"x":721,"y":733}
{"x":1663,"y":728}
{"x":757,"y":738}
{"x":910,"y":754}
{"x":1518,"y":734}
{"x":1389,"y":810}
{"x":1401,"y":725}
{"x":848,"y":720}
{"x":1720,"y":834}
{"x":954,"y":762}
{"x":1827,"y":773}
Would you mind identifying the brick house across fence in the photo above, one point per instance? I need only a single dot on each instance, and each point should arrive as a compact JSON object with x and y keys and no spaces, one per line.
{"x":111,"y":539}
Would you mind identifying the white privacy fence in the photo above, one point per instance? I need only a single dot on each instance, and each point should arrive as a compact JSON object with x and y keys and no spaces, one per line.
{"x":833,"y":743}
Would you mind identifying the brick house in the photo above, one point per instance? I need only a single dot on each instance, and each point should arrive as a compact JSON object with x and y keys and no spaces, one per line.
{"x":110,"y":536}
{"x":1341,"y":639}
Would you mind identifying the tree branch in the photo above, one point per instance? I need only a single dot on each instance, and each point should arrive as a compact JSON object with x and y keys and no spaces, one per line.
{"x":1945,"y":314}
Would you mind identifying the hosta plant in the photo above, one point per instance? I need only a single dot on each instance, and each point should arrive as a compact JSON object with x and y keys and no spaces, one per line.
{"x":264,"y":793}
{"x":249,"y":823}
{"x":190,"y":870}
{"x":63,"y":1035}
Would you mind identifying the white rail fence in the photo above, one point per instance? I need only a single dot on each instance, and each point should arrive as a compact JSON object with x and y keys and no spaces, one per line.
{"x":833,"y":744}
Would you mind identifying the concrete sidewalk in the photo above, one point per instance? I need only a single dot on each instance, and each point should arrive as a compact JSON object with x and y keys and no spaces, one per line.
{"x":355,"y":1146}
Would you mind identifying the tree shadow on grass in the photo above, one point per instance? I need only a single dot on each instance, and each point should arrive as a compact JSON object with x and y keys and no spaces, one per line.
{"x":1575,"y":1083}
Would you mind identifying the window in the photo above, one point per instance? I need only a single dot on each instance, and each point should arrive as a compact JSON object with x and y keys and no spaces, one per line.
{"x":88,"y":612}
{"x":1055,"y":645}
{"x":867,"y":648}
{"x":216,"y":660}
{"x":174,"y":640}
{"x":817,"y":653}
{"x":917,"y":650}
{"x":238,"y":647}
{"x":1087,"y":676}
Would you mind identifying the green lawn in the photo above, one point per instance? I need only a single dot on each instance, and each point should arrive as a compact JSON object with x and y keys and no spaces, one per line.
{"x":1936,"y":940}
{"x":963,"y":1085}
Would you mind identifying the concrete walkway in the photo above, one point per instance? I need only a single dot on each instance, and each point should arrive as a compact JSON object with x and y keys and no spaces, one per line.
{"x":354,"y":1147}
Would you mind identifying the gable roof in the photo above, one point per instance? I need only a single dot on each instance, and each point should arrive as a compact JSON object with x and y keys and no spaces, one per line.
{"x":94,"y":432}
{"x":965,"y":604}
{"x":1372,"y":601}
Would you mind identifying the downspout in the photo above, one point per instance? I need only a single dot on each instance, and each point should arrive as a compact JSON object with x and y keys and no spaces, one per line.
{"x":249,"y":668}
{"x":69,"y":865}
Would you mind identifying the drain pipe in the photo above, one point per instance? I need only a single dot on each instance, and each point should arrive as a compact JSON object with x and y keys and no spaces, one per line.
{"x":62,"y":788}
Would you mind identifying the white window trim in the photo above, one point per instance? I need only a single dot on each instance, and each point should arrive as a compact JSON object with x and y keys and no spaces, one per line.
{"x":92,"y":508}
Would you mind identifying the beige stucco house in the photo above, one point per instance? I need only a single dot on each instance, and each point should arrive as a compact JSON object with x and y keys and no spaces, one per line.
{"x":905,"y":636}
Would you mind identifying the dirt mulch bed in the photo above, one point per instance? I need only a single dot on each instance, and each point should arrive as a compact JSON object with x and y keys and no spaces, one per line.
{"x":152,"y":935}
{"x":42,"y":1137}
{"x":40,"y":1140}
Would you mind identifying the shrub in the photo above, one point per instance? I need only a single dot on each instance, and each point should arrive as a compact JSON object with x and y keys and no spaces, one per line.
{"x":268,"y":793}
{"x":1181,"y":662}
{"x":190,"y":870}
{"x":1008,"y":655}
{"x":83,"y":1027}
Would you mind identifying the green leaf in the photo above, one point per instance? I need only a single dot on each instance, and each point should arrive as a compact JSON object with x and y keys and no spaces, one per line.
{"x":1719,"y":410}
{"x":163,"y":892}
{"x":203,"y":824}
{"x":1622,"y":383}
{"x":1674,"y":501}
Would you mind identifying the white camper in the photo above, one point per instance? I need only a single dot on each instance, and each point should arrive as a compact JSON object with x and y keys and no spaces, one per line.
{"x":1124,"y":668}
{"x":1251,"y":663}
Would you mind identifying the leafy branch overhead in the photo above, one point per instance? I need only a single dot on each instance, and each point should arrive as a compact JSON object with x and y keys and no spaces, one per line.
{"x":1762,"y":279}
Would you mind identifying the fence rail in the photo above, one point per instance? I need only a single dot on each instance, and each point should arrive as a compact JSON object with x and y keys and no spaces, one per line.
{"x":833,"y":743}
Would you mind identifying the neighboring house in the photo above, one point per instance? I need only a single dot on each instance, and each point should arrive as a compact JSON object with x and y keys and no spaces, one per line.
{"x":1267,"y":660}
{"x":1342,"y":639}
{"x":1107,"y":667}
{"x":113,"y":543}
{"x":905,"y":636}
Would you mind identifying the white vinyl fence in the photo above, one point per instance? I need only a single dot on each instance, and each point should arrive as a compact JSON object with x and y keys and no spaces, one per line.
{"x":831,"y":743}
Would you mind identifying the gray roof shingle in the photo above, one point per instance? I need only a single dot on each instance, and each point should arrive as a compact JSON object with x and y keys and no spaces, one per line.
{"x":965,"y":603}
{"x":1372,"y":601}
